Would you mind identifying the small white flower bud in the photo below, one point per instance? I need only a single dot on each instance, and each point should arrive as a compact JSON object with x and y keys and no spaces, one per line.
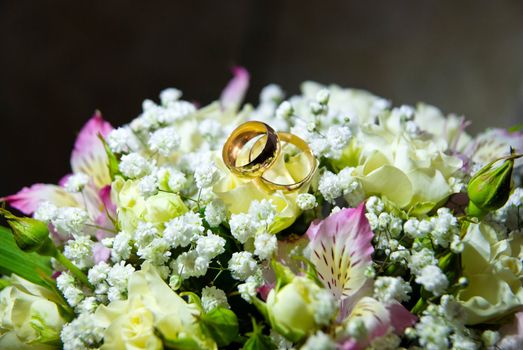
{"x":463,"y":282}
{"x":306,"y":201}
{"x":323,"y":96}
{"x":317,"y":108}
{"x":284,"y":110}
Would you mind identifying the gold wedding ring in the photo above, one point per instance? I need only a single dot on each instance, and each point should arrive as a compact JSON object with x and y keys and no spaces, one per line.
{"x":240,"y":137}
{"x":263,"y":160}
{"x":305,"y":149}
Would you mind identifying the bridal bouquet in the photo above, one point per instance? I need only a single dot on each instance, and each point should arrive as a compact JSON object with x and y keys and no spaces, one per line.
{"x":326,"y":220}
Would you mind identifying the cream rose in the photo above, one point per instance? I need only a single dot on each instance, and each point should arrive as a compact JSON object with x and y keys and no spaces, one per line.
{"x":291,"y":309}
{"x":133,"y":207}
{"x":129,"y":202}
{"x":151,"y":305}
{"x":449,"y":128}
{"x":359,"y":105}
{"x":412,"y":171}
{"x":238,"y":193}
{"x":29,"y":316}
{"x":163,"y":207}
{"x":493,"y":268}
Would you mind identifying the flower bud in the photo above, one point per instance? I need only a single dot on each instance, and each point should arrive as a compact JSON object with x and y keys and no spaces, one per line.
{"x":163,"y":207}
{"x":463,"y":282}
{"x":30,"y":235}
{"x":489,"y":189}
{"x":291,"y":309}
{"x":175,"y":282}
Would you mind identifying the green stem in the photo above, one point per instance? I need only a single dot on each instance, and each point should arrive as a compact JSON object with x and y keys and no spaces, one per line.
{"x":419,"y":307}
{"x":101,"y":228}
{"x":73,"y":269}
{"x":445,"y":261}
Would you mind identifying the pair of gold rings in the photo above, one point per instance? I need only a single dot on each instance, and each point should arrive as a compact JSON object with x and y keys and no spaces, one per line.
{"x":264,"y":152}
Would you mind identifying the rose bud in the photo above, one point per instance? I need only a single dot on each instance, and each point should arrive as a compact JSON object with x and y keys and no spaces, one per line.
{"x":29,"y":234}
{"x":489,"y":189}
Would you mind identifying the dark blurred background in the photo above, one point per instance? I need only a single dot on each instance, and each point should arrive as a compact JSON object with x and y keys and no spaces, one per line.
{"x":61,"y":60}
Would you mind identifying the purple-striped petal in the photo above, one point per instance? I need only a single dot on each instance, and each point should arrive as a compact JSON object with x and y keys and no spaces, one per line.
{"x":341,"y":251}
{"x":89,"y":155}
{"x":379,"y":319}
{"x":29,"y":198}
{"x":232,"y":95}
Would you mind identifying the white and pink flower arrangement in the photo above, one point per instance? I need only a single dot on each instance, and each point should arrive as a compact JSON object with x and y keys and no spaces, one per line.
{"x":358,"y":225}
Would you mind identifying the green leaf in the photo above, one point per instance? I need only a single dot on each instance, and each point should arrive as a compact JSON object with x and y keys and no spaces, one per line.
{"x":193,"y":299}
{"x":259,"y":341}
{"x":181,"y":344}
{"x":112,"y":160}
{"x":221,"y":324}
{"x":30,"y":266}
{"x":284,"y":275}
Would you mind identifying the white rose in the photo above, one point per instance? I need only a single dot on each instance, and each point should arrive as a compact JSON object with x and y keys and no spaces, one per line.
{"x":151,"y":305}
{"x":29,"y":316}
{"x":449,"y":128}
{"x":129,"y":201}
{"x":163,"y":207}
{"x":291,"y":309}
{"x":492,"y":267}
{"x":414,"y":173}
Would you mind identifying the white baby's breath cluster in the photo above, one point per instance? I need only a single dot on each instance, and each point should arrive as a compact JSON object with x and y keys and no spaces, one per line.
{"x":165,"y":205}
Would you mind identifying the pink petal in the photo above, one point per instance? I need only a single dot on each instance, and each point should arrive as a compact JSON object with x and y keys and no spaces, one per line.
{"x":347,"y":304}
{"x":64,"y":179}
{"x":379,"y":319}
{"x":313,"y":229}
{"x":265,"y":289}
{"x":341,"y":250}
{"x":29,"y":198}
{"x":400,"y":317}
{"x":105,"y":196}
{"x":514,"y":328}
{"x":89,"y":155}
{"x":519,"y":321}
{"x":512,"y":333}
{"x":376,"y":318}
{"x":92,"y":201}
{"x":350,"y":344}
{"x":101,"y":253}
{"x":107,"y":209}
{"x":234,"y":92}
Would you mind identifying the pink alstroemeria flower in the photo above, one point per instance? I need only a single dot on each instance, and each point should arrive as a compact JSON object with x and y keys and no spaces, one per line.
{"x":341,"y":249}
{"x":234,"y":92}
{"x":495,"y":143}
{"x":88,"y":157}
